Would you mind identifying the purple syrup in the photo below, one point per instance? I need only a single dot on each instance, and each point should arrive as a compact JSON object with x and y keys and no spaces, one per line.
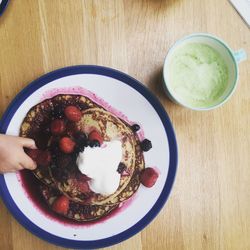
{"x":31,"y":186}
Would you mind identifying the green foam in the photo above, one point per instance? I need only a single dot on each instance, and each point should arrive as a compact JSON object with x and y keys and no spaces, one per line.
{"x":198,"y":75}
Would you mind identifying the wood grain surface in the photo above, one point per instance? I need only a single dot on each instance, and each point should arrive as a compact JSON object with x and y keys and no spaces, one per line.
{"x":209,"y":207}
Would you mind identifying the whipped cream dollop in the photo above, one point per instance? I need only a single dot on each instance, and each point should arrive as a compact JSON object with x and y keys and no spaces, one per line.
{"x":100,"y":164}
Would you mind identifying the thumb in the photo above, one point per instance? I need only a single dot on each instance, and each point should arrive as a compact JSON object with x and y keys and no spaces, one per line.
{"x":28,"y":143}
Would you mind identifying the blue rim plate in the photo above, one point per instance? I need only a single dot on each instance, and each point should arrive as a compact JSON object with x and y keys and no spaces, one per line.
{"x":126,"y":79}
{"x":3,"y":6}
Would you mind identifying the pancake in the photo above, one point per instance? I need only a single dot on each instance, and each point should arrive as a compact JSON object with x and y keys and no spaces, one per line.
{"x":62,"y":176}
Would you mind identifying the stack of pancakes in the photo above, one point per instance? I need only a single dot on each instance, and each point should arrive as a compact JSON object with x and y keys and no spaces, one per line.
{"x":62,"y":176}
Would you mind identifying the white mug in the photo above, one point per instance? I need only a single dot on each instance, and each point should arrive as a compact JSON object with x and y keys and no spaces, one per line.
{"x":231,"y":59}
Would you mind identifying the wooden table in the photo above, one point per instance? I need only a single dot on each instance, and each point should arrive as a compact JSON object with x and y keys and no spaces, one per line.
{"x":209,"y":207}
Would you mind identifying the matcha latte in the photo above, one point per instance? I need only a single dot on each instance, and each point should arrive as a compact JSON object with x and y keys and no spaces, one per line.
{"x":198,"y":75}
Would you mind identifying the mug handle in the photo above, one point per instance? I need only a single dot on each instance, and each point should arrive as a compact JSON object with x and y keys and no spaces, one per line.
{"x":240,"y":55}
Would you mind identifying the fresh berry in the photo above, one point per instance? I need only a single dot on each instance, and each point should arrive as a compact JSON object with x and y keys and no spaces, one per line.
{"x":66,"y":145}
{"x":95,"y":136}
{"x":57,"y":127}
{"x":135,"y":127}
{"x":87,"y":143}
{"x":81,"y":139}
{"x":82,"y":106}
{"x":148,"y":177}
{"x":146,"y":145}
{"x":121,"y":168}
{"x":58,"y":111}
{"x":73,"y":113}
{"x":79,"y":149}
{"x":94,"y":143}
{"x":61,"y":205}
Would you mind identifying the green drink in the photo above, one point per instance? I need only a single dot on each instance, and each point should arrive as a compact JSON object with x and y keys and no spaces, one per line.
{"x":198,"y":75}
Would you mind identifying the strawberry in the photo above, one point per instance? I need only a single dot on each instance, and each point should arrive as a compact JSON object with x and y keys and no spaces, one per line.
{"x":61,"y":205}
{"x":73,"y":113}
{"x":66,"y":145}
{"x":148,"y":177}
{"x":57,"y":127}
{"x":95,"y":136}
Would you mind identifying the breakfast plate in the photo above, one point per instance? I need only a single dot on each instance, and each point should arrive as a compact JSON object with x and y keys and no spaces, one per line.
{"x":135,"y":103}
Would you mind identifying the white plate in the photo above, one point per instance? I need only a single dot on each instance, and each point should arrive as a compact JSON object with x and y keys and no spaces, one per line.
{"x":140,"y":106}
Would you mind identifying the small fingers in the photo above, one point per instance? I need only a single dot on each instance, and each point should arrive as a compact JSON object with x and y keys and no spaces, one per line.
{"x":28,"y":143}
{"x":10,"y":167}
{"x":19,"y":167}
{"x":27,"y":162}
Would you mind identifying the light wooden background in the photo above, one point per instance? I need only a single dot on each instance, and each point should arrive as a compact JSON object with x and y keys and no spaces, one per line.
{"x":209,"y":207}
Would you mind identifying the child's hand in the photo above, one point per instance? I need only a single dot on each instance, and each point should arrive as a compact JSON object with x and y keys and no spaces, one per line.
{"x":12,"y":155}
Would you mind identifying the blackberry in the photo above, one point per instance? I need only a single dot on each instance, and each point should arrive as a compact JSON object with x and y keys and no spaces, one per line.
{"x":121,"y":168}
{"x":81,"y":141}
{"x":79,"y":148}
{"x":146,"y":145}
{"x":81,"y":138}
{"x":82,"y":106}
{"x":87,"y":143}
{"x":94,"y":143}
{"x":58,"y":111}
{"x":135,"y":127}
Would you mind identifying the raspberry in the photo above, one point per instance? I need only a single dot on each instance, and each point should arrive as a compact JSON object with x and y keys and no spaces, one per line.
{"x":61,"y":205}
{"x":67,"y":145}
{"x":73,"y":113}
{"x":57,"y":127}
{"x":148,"y":177}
